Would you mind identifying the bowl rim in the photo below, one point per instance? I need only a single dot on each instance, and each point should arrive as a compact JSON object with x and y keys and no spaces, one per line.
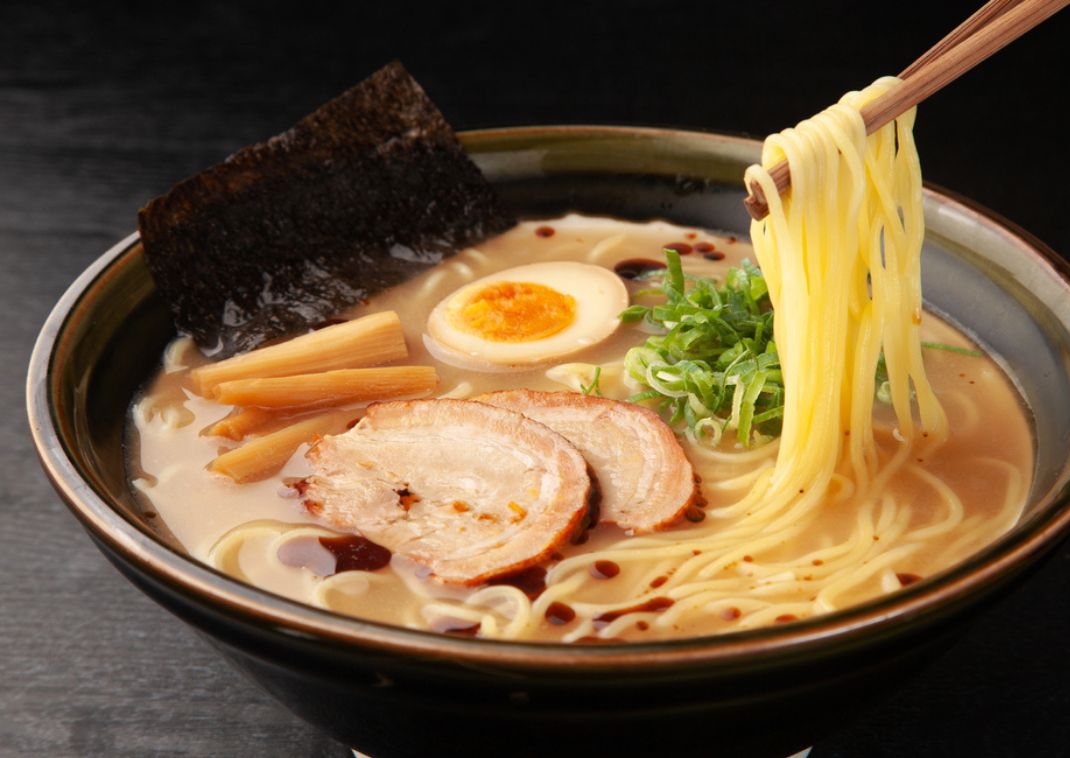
{"x":923,"y":602}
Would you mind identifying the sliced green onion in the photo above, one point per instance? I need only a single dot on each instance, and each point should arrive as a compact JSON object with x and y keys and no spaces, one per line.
{"x":713,"y":365}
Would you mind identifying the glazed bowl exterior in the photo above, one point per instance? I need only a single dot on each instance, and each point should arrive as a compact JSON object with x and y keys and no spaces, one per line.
{"x":389,"y":691}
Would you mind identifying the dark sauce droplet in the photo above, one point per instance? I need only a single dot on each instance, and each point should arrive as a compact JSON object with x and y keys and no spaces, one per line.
{"x":642,"y":626}
{"x":592,"y":640}
{"x":531,"y":581}
{"x":694,"y":514}
{"x":731,"y":614}
{"x":784,"y":618}
{"x":709,"y":252}
{"x":353,"y":553}
{"x":635,"y":267}
{"x":544,"y":231}
{"x":559,"y":614}
{"x":458,"y":627}
{"x":653,"y":605}
{"x":681,"y":247}
{"x":907,"y":579}
{"x":658,"y":581}
{"x":604,"y":569}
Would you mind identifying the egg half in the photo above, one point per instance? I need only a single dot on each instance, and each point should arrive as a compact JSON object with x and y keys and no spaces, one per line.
{"x":527,"y":316}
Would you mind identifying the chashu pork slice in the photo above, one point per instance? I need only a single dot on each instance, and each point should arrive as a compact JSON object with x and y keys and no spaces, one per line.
{"x":647,"y":482}
{"x":468,"y":490}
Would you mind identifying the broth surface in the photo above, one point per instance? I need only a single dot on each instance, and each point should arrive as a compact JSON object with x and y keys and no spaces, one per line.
{"x":938,"y":507}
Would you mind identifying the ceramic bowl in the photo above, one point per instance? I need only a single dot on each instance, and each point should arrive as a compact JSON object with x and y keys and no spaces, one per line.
{"x":390,"y":691}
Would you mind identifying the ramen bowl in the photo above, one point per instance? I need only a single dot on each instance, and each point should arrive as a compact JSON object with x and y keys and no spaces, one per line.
{"x":391,"y":691}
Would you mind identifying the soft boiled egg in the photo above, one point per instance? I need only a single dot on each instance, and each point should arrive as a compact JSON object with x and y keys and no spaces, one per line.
{"x":527,"y":316}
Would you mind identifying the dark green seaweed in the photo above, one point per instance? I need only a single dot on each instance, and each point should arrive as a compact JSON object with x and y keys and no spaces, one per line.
{"x":366,"y":192}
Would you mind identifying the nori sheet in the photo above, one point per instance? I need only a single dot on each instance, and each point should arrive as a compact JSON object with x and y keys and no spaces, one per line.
{"x":366,"y":192}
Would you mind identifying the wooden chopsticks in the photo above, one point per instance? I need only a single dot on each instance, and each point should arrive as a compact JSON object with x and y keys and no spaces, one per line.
{"x":994,"y":26}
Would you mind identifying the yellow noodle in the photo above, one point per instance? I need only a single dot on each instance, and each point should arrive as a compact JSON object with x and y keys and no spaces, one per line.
{"x":170,"y":409}
{"x":604,"y":247}
{"x":460,"y":392}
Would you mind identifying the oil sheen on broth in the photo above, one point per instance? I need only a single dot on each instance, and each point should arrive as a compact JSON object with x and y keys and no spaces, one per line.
{"x":692,"y":579}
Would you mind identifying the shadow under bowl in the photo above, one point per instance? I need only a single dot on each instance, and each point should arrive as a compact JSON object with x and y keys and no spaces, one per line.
{"x":390,"y":691}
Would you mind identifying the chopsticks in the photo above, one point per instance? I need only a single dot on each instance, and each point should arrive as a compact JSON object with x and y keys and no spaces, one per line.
{"x":991,"y":28}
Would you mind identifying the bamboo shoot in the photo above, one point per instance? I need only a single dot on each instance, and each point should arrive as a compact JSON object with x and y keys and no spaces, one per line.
{"x":367,"y":341}
{"x":265,"y":455}
{"x":328,"y":388}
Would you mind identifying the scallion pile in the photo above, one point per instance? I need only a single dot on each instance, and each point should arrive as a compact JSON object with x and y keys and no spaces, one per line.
{"x":715,"y":366}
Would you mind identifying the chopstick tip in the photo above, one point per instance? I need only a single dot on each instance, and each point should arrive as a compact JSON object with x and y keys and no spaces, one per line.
{"x":755,"y":203}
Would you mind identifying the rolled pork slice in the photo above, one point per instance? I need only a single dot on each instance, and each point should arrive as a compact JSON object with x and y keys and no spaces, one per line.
{"x":647,"y":482}
{"x":469,"y":490}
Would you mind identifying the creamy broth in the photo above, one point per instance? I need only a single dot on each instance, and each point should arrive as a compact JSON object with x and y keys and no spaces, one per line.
{"x":716,"y":575}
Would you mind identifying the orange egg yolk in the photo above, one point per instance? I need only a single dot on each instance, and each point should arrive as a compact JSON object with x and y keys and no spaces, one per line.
{"x":515,"y":312}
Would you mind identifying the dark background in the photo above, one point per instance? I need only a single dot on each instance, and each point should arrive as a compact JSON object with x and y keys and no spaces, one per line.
{"x":102,"y":109}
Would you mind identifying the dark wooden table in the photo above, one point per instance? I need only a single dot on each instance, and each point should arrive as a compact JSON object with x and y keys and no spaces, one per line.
{"x":102,"y":109}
